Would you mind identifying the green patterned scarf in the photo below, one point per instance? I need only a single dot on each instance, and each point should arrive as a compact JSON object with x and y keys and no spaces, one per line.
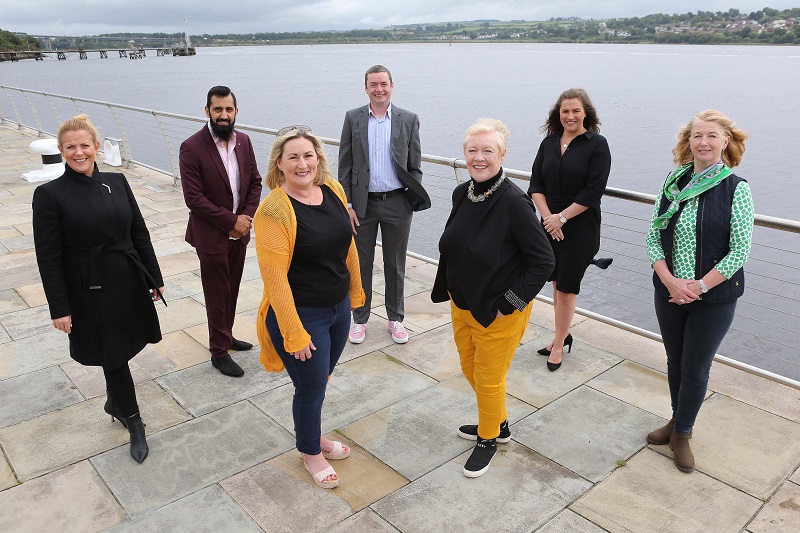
{"x":699,"y":184}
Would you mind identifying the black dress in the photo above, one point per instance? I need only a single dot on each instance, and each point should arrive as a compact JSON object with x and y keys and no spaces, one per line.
{"x":579,"y":176}
{"x":97,"y":263}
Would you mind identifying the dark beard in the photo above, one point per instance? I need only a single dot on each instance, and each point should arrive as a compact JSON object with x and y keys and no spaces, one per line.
{"x":223,"y":131}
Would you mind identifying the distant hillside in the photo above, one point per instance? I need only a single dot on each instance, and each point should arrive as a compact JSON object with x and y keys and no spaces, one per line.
{"x":11,"y":42}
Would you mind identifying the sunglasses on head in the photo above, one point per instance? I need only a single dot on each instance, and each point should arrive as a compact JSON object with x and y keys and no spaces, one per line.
{"x":289,"y":129}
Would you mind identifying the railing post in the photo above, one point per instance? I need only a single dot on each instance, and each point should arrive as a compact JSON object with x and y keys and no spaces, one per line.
{"x":125,"y":149}
{"x":173,"y":161}
{"x":35,"y":114}
{"x":53,"y":108}
{"x":14,"y":108}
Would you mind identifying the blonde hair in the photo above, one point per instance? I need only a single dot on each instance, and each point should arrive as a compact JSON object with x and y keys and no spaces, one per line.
{"x":489,"y":125}
{"x":275,"y":177}
{"x":77,"y":123}
{"x":731,"y":155}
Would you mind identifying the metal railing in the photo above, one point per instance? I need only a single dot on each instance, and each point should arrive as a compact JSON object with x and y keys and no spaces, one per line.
{"x":767,"y":330}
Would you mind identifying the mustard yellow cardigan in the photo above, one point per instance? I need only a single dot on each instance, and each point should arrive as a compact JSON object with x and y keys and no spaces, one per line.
{"x":276,"y":229}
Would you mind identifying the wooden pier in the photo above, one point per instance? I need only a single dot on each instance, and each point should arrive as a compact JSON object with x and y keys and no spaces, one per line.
{"x":132,"y":53}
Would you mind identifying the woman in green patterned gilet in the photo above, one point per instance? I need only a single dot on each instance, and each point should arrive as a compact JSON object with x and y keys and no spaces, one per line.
{"x":698,"y":242}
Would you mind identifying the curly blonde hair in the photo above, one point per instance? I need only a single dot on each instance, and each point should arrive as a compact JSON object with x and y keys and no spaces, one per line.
{"x":731,"y":155}
{"x":77,"y":123}
{"x":275,"y":177}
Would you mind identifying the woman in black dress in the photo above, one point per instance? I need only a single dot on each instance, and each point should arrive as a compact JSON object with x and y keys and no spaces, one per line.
{"x":98,"y":269}
{"x":568,"y":179}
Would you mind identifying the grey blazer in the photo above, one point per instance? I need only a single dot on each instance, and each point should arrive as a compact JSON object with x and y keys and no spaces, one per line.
{"x":406,"y":155}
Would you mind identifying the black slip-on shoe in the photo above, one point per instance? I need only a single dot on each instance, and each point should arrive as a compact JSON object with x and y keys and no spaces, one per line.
{"x":240,"y":346}
{"x":482,"y":455}
{"x":227,"y":366}
{"x":470,"y":432}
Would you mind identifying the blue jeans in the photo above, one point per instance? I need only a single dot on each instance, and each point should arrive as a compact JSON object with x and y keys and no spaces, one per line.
{"x":692,"y":334}
{"x":328,"y":327}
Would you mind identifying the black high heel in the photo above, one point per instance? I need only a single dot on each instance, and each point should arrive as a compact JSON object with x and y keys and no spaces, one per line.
{"x":602,"y":262}
{"x":111,"y":408}
{"x":139,"y":448}
{"x":552,"y":367}
{"x":567,"y":342}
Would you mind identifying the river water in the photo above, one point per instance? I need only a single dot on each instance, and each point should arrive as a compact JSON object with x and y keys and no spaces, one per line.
{"x":643,"y":93}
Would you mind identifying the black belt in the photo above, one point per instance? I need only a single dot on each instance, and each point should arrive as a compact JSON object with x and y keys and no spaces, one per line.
{"x":384,"y":195}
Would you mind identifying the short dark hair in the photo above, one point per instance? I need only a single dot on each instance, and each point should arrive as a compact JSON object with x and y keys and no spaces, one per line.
{"x":374,"y":69}
{"x":220,"y":91}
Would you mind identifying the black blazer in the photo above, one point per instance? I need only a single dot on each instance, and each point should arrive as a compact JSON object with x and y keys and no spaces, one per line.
{"x":504,"y":260}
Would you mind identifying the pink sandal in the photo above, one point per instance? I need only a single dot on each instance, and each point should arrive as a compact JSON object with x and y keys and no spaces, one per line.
{"x":339,"y":451}
{"x":319,"y":477}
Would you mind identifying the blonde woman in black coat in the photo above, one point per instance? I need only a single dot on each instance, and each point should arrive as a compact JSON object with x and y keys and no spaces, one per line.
{"x":98,"y":269}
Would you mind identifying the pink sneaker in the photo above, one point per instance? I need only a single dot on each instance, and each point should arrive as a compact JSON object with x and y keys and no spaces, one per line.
{"x":358,"y":332}
{"x":399,"y":333}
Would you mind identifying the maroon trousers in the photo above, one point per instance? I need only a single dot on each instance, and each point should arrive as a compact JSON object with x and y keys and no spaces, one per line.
{"x":221,"y":275}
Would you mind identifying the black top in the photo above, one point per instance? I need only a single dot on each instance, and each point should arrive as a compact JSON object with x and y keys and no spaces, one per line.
{"x":318,"y":273}
{"x":579,"y":175}
{"x":93,"y":250}
{"x":494,"y":254}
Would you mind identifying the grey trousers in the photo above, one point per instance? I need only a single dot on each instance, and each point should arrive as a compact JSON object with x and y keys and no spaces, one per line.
{"x":394,"y":218}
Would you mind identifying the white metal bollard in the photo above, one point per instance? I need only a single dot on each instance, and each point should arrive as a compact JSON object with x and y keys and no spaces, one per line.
{"x":52,"y":162}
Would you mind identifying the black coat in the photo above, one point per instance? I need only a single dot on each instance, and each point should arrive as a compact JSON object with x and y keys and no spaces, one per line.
{"x":502,"y":250}
{"x":97,"y":264}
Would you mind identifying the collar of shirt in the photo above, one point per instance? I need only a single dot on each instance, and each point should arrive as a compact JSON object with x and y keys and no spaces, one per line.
{"x":387,"y":116}
{"x":219,"y":141}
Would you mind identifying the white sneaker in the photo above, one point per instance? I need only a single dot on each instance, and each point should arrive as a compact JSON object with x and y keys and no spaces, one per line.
{"x":399,"y":333}
{"x":358,"y":332}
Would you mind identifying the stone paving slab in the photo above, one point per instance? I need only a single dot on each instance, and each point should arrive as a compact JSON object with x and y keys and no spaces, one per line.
{"x":70,"y":500}
{"x":11,"y":301}
{"x":533,"y":490}
{"x":745,"y":447}
{"x":8,"y":232}
{"x":366,"y":521}
{"x":32,"y":294}
{"x":182,"y":285}
{"x":4,"y":336}
{"x":417,"y":434}
{"x":80,"y":431}
{"x":165,"y":247}
{"x":201,"y":389}
{"x":19,"y":276}
{"x":529,"y":379}
{"x":7,"y":477}
{"x":36,"y":394}
{"x":411,"y":287}
{"x":181,"y":349}
{"x":378,"y":337}
{"x":244,"y":328}
{"x":180,"y":314}
{"x":356,"y":389}
{"x":16,"y":244}
{"x":177,"y":263}
{"x":796,"y":476}
{"x":31,"y":354}
{"x":568,"y":522}
{"x":421,"y":314}
{"x":650,"y":495}
{"x":587,"y":432}
{"x":27,"y":322}
{"x":781,"y":514}
{"x":191,"y":456}
{"x":26,"y":228}
{"x":433,"y":353}
{"x":210,"y":510}
{"x":637,"y":385}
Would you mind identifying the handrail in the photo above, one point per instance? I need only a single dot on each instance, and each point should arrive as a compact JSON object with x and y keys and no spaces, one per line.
{"x":781,"y":224}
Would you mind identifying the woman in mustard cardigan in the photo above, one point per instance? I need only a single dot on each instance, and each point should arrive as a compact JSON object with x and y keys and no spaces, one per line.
{"x":309,"y":266}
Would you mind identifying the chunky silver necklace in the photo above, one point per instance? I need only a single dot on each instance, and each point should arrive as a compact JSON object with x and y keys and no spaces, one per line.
{"x":484,"y":196}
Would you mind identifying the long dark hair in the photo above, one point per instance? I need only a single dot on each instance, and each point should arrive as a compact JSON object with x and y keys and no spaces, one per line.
{"x":553,"y":122}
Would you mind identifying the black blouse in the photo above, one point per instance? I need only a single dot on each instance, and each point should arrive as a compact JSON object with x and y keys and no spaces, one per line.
{"x":318,"y":273}
{"x":579,"y":175}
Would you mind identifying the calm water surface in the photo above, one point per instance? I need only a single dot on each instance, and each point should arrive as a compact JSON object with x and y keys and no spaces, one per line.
{"x":643,"y":93}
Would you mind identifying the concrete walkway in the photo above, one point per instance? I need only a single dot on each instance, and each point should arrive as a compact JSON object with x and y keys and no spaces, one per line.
{"x":222,"y":454}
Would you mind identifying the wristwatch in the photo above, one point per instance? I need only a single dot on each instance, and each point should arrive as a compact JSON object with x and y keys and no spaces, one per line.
{"x":703,"y":287}
{"x":562,"y":218}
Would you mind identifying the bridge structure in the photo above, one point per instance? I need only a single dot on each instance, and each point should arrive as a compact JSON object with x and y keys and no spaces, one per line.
{"x":39,"y":55}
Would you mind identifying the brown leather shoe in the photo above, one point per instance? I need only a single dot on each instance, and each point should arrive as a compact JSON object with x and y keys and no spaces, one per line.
{"x":661,"y":435}
{"x":683,"y":457}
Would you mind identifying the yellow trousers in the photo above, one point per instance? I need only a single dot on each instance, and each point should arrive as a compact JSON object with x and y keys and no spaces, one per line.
{"x":486,"y":354}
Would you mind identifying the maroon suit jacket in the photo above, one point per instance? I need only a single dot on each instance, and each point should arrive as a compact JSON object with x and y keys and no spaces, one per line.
{"x":207,"y":190}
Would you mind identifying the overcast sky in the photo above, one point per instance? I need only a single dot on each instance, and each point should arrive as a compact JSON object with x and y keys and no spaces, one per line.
{"x":91,"y":17}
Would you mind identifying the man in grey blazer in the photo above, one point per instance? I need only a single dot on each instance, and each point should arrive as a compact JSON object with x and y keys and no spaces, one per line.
{"x":380,"y":162}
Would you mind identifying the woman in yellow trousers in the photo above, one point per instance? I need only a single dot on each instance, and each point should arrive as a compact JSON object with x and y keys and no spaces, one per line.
{"x":494,"y":259}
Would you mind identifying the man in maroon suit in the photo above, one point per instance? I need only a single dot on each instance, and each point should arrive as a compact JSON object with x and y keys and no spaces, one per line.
{"x":222,"y":189}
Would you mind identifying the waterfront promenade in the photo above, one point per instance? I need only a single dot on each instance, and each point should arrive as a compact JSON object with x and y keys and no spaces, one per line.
{"x":222,"y":454}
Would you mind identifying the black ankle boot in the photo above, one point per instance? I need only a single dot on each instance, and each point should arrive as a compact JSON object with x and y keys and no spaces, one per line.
{"x":139,"y":448}
{"x":111,"y":408}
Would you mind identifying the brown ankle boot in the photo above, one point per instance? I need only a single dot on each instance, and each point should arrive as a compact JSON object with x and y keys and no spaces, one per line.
{"x":683,"y":457}
{"x":661,"y":435}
